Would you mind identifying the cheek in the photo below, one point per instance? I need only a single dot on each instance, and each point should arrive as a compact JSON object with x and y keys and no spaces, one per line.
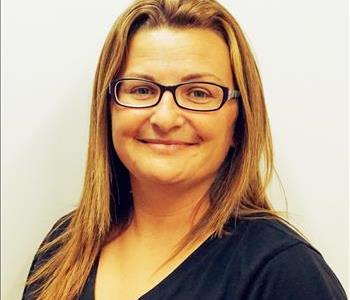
{"x":123,"y":123}
{"x":230,"y":124}
{"x":120,"y":129}
{"x":121,"y":145}
{"x":218,"y":138}
{"x":219,"y":130}
{"x":115,"y":130}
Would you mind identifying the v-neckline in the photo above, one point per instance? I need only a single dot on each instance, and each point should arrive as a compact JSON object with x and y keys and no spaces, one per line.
{"x":188,"y":261}
{"x":180,"y":268}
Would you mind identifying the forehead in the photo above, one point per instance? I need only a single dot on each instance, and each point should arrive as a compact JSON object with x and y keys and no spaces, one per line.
{"x":170,"y":54}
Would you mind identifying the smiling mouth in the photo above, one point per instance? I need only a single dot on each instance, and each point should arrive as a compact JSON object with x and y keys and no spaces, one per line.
{"x":166,"y":142}
{"x":166,"y":146}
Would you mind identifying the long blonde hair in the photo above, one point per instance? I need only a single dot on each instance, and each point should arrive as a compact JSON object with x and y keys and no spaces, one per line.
{"x":239,"y":189}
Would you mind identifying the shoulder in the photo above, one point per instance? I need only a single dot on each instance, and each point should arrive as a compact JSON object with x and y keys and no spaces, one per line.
{"x":58,"y":228}
{"x":300,"y":271}
{"x":42,"y":256}
{"x":265,"y":238}
{"x":276,"y":262}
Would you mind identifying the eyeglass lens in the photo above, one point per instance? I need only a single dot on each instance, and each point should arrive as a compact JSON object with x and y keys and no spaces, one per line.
{"x":139,"y":93}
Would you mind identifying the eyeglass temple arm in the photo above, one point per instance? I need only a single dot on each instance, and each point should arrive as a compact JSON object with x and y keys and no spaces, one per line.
{"x":234,"y":94}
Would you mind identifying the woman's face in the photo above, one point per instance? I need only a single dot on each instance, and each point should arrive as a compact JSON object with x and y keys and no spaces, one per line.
{"x":166,"y":144}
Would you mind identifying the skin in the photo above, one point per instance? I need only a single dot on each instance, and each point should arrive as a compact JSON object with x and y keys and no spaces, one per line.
{"x":168,"y":180}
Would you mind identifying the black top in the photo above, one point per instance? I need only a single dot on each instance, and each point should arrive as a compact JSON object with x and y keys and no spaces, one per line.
{"x":261,"y":259}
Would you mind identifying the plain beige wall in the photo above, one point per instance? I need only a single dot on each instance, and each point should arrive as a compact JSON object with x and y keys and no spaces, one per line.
{"x":49,"y":53}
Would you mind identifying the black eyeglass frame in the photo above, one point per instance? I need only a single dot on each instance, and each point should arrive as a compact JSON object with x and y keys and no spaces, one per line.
{"x":227,"y":93}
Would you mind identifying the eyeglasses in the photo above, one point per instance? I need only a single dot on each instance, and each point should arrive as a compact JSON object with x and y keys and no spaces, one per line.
{"x":196,"y":96}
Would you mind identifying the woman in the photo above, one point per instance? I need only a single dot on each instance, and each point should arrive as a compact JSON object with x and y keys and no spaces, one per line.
{"x":174,"y":203}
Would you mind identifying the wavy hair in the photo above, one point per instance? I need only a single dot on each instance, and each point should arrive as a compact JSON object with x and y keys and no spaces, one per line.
{"x":105,"y":208}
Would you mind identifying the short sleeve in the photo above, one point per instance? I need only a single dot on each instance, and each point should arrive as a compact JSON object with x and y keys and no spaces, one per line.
{"x":298,"y":272}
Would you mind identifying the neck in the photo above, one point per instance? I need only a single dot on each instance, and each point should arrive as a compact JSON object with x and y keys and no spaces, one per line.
{"x":167,"y":210}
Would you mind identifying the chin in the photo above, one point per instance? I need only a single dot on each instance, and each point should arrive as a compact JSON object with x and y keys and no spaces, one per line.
{"x":162,"y":179}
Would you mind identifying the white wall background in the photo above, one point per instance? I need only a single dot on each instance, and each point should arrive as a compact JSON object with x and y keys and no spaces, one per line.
{"x":49,"y":53}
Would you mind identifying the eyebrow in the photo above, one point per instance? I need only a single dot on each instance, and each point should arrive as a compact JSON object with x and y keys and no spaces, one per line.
{"x":183,"y":79}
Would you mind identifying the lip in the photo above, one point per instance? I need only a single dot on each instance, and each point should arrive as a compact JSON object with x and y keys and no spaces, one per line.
{"x":166,"y":142}
{"x":166,"y":146}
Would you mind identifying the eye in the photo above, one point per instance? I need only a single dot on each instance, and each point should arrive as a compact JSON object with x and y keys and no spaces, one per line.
{"x":141,"y":91}
{"x":199,"y":94}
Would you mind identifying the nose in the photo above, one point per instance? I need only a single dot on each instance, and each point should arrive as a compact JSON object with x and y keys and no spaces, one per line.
{"x":166,"y":114}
